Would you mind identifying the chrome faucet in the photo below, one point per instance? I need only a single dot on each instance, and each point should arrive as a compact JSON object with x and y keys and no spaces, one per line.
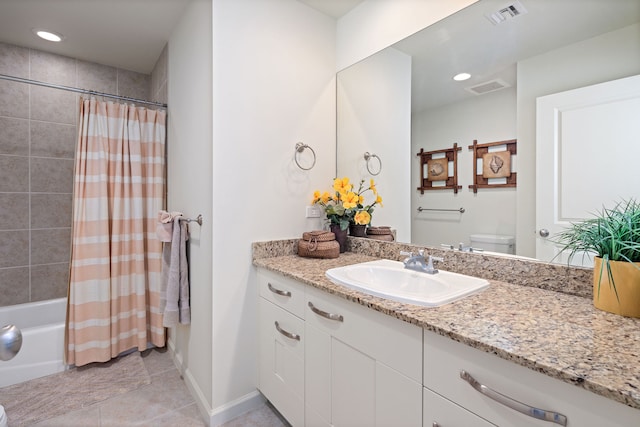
{"x":419,"y":263}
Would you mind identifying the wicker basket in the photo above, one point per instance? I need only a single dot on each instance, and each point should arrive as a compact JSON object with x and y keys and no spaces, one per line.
{"x":318,"y":244}
{"x":380,"y":233}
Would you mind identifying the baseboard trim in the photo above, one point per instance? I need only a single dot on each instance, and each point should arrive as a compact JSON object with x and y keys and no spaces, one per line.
{"x":222,"y":414}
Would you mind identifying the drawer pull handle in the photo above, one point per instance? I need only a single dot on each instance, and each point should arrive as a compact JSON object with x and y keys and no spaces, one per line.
{"x":435,"y":424}
{"x":329,"y":316}
{"x":287,"y":334}
{"x":531,"y":411}
{"x":278,"y":291}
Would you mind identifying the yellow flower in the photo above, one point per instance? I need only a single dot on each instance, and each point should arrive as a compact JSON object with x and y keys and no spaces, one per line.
{"x":350,"y":200}
{"x":342,"y":185}
{"x":362,"y":218}
{"x":379,"y":200}
{"x":372,"y":185}
{"x":316,"y":197}
{"x":326,"y":197}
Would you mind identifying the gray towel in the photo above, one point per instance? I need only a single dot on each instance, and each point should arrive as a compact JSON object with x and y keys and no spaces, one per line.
{"x":175,"y":271}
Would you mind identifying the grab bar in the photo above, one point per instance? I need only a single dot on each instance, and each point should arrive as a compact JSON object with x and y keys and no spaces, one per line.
{"x":461,"y":210}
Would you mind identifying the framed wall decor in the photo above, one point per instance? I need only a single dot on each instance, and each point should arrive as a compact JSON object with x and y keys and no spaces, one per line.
{"x":495,"y":164}
{"x":436,"y":170}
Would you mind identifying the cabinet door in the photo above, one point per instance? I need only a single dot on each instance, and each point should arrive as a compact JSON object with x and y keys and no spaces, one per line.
{"x":398,"y":399}
{"x":440,"y":412}
{"x":317,"y":375}
{"x":281,"y":360}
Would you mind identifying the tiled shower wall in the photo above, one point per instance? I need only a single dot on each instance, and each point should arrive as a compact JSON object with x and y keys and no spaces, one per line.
{"x":38,"y":131}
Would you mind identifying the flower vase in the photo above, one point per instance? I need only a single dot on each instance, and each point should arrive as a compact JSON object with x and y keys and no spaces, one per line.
{"x":341,"y":236}
{"x":358,"y":230}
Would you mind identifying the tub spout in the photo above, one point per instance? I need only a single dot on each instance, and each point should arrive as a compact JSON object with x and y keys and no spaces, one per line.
{"x":10,"y":342}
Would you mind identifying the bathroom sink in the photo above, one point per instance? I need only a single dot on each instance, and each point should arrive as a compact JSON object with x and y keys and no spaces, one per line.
{"x":389,"y":279}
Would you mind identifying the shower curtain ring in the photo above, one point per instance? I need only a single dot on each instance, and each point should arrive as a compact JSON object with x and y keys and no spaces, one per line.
{"x":300,"y":147}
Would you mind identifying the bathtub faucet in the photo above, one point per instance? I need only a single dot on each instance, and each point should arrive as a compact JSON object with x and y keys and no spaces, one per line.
{"x":419,"y":263}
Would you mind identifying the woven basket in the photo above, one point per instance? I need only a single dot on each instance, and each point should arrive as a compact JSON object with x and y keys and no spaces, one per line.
{"x":380,"y":233}
{"x":318,"y":244}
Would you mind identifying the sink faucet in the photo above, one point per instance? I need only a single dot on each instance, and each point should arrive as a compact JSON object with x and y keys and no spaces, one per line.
{"x":419,"y":263}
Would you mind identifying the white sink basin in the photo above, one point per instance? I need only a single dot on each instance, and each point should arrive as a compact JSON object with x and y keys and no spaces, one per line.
{"x":389,"y":279}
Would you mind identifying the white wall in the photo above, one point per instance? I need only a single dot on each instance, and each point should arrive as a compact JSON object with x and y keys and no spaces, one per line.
{"x":273,"y":85}
{"x":607,"y":57}
{"x":374,"y":112}
{"x":486,"y":118}
{"x":374,"y":25}
{"x":189,"y":182}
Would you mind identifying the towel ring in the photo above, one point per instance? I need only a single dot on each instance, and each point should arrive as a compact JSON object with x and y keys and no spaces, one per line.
{"x":368,"y":157}
{"x":300,"y":147}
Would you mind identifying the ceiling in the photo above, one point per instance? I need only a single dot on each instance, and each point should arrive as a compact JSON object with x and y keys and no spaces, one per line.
{"x":128,"y":34}
{"x":469,"y":42}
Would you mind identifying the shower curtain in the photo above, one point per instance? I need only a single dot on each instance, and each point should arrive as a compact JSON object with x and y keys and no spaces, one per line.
{"x":119,"y":187}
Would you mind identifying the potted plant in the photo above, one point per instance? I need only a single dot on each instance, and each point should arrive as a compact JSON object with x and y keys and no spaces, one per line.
{"x":613,"y":235}
{"x":362,"y":213}
{"x":343,"y":205}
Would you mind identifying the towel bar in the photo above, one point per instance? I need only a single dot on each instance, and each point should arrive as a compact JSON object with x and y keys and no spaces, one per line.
{"x":198,"y":219}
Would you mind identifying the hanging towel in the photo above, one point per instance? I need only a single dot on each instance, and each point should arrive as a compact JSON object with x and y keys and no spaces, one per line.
{"x":164,"y":228}
{"x":175,"y":272}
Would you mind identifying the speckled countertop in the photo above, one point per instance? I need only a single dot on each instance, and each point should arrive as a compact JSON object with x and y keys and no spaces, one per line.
{"x":556,"y":333}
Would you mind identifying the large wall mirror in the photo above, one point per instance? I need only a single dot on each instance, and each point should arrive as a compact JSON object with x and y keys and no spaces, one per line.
{"x":404,"y":99}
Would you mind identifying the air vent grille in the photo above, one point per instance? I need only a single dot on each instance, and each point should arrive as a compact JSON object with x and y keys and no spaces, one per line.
{"x":486,"y":87}
{"x":507,"y":12}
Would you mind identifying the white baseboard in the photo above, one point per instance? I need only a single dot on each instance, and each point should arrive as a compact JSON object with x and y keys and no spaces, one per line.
{"x":222,"y":414}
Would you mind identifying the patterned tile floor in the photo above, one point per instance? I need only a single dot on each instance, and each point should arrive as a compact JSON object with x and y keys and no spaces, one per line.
{"x":164,"y":402}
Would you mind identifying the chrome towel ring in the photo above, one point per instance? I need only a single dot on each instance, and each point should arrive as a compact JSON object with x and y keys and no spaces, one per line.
{"x":300,"y":147}
{"x":367,"y":157}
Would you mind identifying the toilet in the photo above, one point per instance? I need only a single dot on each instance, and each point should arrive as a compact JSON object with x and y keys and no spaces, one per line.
{"x":494,"y":243}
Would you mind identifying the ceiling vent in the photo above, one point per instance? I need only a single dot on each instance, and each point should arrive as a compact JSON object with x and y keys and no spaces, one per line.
{"x":486,"y":87}
{"x":508,"y":12}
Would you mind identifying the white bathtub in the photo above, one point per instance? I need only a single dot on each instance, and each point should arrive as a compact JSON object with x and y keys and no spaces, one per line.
{"x":42,"y":326}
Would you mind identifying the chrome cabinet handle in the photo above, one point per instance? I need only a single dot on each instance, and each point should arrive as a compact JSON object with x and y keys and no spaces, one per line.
{"x":540,"y":414}
{"x":287,"y":334}
{"x":329,"y":316}
{"x":278,"y":291}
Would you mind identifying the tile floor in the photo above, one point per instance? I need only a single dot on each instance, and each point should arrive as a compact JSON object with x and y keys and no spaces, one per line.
{"x":164,"y":402}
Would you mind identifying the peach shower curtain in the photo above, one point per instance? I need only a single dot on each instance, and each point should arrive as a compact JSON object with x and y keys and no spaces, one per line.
{"x":119,"y":187}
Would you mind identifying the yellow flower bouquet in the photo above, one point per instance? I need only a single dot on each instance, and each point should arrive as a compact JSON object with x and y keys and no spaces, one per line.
{"x":345,"y":206}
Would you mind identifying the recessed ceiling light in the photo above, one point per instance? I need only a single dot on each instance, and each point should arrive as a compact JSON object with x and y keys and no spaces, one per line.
{"x":461,"y":77}
{"x":48,"y":35}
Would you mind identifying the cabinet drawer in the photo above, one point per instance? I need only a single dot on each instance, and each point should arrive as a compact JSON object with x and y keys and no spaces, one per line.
{"x":390,"y":341}
{"x":444,"y":359}
{"x":440,"y":412}
{"x":282,"y":291}
{"x":281,"y":360}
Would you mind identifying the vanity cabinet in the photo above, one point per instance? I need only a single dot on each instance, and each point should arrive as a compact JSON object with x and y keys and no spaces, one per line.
{"x":444,"y":359}
{"x":362,"y":367}
{"x":281,"y":345}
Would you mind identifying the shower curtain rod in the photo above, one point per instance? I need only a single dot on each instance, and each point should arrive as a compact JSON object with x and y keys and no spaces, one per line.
{"x":85,"y":91}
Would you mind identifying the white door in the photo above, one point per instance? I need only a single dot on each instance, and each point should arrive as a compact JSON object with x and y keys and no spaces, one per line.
{"x":587,"y":156}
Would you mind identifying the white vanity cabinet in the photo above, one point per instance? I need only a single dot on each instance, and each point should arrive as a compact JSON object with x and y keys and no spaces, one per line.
{"x":444,"y":359}
{"x":362,"y":367}
{"x":281,"y":344}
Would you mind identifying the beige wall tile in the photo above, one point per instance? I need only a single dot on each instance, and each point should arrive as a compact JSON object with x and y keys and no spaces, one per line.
{"x":14,"y":211}
{"x":53,"y":140}
{"x":14,"y":61}
{"x":49,"y":281}
{"x":52,"y":68}
{"x":133,"y":85}
{"x":14,"y":174}
{"x":14,"y":285}
{"x":51,"y":210}
{"x":53,"y":105}
{"x":14,"y":136}
{"x":14,"y":250}
{"x":14,"y":99}
{"x":50,"y":246}
{"x":100,"y":78}
{"x":51,"y":175}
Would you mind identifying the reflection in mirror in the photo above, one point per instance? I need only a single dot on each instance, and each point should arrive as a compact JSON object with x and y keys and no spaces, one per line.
{"x":404,"y":99}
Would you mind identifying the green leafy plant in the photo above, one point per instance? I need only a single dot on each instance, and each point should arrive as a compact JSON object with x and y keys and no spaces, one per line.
{"x":613,"y":234}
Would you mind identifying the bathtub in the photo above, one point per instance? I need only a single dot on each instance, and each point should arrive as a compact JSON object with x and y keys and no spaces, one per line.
{"x":42,"y":326}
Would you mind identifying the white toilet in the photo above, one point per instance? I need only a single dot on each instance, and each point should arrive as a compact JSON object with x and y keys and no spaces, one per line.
{"x":494,"y":243}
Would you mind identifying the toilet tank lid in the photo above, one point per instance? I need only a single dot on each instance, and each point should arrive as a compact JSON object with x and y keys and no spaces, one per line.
{"x":493,"y":238}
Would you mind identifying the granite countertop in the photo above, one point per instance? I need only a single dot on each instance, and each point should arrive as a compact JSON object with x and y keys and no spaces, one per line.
{"x":554,"y":333}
